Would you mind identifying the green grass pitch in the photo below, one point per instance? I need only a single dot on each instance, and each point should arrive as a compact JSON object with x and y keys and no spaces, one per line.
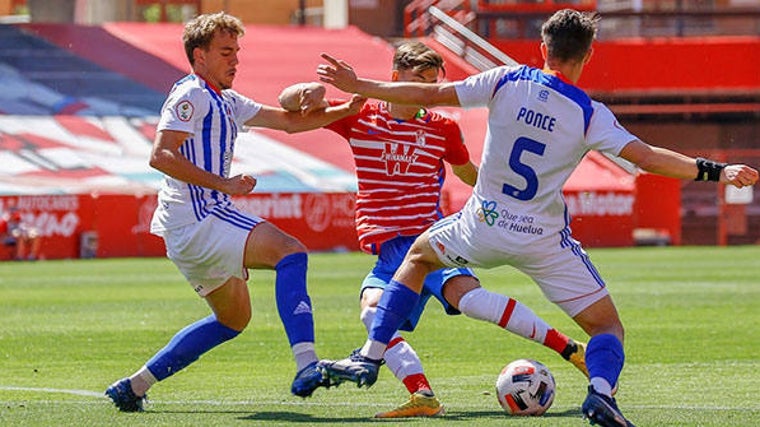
{"x":70,"y":328}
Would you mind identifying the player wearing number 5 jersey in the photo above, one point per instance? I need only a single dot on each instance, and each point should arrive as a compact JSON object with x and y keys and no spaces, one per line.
{"x":540,"y":125}
{"x":400,"y":151}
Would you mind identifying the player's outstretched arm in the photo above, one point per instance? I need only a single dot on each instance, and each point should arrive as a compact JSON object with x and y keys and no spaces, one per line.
{"x":341,"y":75}
{"x":295,"y":121}
{"x":673,"y":164}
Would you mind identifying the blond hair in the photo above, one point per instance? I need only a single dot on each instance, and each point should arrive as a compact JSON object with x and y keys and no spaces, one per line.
{"x":200,"y":30}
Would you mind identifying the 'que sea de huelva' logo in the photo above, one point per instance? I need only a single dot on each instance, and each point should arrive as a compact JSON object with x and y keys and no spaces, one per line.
{"x":487,"y":212}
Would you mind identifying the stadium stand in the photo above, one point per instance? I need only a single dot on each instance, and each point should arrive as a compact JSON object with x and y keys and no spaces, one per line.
{"x":66,"y":83}
{"x":78,"y":120}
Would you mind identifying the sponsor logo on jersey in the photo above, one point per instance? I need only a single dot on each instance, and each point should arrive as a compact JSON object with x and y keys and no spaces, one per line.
{"x":509,"y":221}
{"x":543,"y":95}
{"x":185,"y":110}
{"x":398,"y":158}
{"x":487,"y":212}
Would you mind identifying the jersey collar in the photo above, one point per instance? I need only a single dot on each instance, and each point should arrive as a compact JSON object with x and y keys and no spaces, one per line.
{"x":421,"y":114}
{"x":211,"y":86}
{"x":558,"y":75}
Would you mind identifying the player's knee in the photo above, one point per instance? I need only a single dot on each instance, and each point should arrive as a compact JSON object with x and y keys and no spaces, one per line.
{"x":422,"y":257}
{"x":608,"y":327}
{"x":417,"y":262}
{"x":457,"y":287}
{"x":268,"y":245}
{"x":295,"y":246}
{"x":368,"y":315}
{"x":370,"y":297}
{"x":620,"y":332}
{"x":238,"y":323}
{"x":611,"y":326}
{"x":237,"y":319}
{"x":290,"y":245}
{"x":283,"y":245}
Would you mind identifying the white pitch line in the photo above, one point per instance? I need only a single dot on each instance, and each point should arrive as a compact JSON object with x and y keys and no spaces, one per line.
{"x":88,"y":393}
{"x":53,"y":390}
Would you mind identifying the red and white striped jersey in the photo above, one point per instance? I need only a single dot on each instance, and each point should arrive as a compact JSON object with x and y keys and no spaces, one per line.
{"x":399,"y":169}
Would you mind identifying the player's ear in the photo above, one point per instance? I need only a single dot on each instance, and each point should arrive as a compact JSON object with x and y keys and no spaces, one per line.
{"x":544,"y":51}
{"x":588,"y":55}
{"x":394,"y":76}
{"x":198,"y":55}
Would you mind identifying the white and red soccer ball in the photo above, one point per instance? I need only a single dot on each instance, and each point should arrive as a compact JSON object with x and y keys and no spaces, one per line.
{"x":525,"y":387}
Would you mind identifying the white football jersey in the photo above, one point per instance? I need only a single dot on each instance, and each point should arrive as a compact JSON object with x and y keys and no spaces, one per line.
{"x":213,"y":119}
{"x":539,"y":128}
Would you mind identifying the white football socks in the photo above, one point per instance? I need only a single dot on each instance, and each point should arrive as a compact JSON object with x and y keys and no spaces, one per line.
{"x":508,"y":313}
{"x":601,"y":386}
{"x":304,"y":354}
{"x":142,"y":380}
{"x":400,"y":357}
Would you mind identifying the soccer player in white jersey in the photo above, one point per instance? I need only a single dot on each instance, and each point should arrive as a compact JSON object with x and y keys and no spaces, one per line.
{"x":212,"y":243}
{"x":399,"y":151}
{"x":540,"y":125}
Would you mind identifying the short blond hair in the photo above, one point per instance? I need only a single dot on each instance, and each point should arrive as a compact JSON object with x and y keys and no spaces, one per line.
{"x":200,"y":30}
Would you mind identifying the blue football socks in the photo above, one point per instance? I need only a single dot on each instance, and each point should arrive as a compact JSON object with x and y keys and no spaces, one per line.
{"x":394,"y":307}
{"x":605,"y":358}
{"x":293,"y":302}
{"x":188,"y":345}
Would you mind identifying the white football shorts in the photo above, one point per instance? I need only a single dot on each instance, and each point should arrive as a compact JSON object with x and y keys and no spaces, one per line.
{"x":209,"y":252}
{"x":557,"y":263}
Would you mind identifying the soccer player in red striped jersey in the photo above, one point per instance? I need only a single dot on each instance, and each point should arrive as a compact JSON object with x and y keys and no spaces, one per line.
{"x":399,"y":151}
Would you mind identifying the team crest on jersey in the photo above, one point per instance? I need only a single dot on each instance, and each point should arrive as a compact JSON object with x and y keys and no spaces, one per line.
{"x":184,"y":110}
{"x":420,"y":138}
{"x":487,"y":212}
{"x":398,"y":158}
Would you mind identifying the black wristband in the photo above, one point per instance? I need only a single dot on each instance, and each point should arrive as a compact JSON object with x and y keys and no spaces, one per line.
{"x":709,"y":170}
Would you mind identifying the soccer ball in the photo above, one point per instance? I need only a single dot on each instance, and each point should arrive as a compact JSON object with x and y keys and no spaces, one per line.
{"x":525,"y":387}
